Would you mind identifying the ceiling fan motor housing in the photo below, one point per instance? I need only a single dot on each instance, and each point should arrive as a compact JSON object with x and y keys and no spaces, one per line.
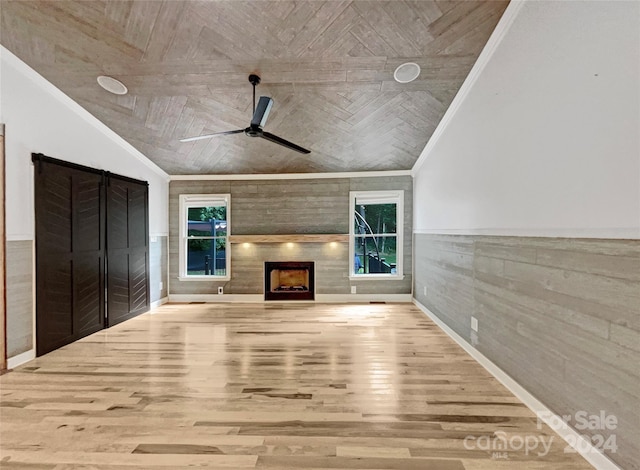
{"x":254,"y":79}
{"x":253,"y":131}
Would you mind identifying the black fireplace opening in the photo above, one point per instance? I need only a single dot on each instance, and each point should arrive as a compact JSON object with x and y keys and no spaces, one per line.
{"x":289,"y":280}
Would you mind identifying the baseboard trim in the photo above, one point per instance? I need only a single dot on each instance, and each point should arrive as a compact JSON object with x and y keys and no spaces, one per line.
{"x":20,"y":359}
{"x":157,"y":303}
{"x":320,"y":298}
{"x":360,"y":298}
{"x":217,"y":298}
{"x":581,"y":445}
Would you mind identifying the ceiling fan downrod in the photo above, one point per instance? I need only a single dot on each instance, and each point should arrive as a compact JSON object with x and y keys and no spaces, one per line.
{"x":254,"y":80}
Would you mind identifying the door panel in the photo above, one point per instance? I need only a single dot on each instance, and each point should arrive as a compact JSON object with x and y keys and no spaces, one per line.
{"x":88,"y":225}
{"x":118,"y":286}
{"x":53,"y":211}
{"x":54,"y":278}
{"x":138,"y":237}
{"x":128,"y":250}
{"x":54,"y":311}
{"x":88,"y":248}
{"x":118,"y":215}
{"x":88,"y":303}
{"x":138,"y":281}
{"x":69,"y":254}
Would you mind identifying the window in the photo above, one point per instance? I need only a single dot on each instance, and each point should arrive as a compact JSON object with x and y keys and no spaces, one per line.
{"x":375,"y":242}
{"x":204,"y":237}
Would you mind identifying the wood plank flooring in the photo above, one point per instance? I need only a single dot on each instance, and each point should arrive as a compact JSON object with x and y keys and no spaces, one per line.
{"x":276,"y":386}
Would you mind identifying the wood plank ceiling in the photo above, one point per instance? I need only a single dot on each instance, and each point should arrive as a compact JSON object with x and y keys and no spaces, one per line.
{"x":328,"y":65}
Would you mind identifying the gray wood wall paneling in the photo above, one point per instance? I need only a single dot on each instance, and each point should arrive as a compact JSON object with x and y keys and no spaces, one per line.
{"x":561,"y":316}
{"x":158,"y":265}
{"x":287,"y":207}
{"x":19,"y":297}
{"x":292,"y":206}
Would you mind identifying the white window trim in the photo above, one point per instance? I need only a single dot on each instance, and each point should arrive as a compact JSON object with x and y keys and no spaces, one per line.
{"x":201,"y":200}
{"x":378,"y":197}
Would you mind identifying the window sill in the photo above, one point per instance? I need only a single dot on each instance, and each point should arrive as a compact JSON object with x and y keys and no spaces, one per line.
{"x":204,"y":278}
{"x":376,"y":277}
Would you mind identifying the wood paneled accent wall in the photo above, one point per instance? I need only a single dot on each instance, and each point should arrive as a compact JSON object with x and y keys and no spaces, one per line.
{"x":158,"y":265}
{"x":561,"y":316}
{"x":282,"y":207}
{"x":20,"y":283}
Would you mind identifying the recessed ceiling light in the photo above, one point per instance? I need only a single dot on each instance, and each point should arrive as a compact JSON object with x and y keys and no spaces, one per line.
{"x":406,"y":73}
{"x":112,"y":85}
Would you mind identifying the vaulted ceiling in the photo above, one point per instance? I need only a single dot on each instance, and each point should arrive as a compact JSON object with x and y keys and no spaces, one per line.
{"x":328,"y":65}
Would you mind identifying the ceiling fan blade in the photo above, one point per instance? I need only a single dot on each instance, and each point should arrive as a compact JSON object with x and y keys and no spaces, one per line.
{"x":208,"y":136}
{"x":285,"y":143}
{"x":262,"y":111}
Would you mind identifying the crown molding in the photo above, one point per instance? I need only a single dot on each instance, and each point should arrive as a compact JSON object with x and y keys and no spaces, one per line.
{"x":292,"y":176}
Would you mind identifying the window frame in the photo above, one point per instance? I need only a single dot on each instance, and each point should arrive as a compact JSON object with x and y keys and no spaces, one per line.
{"x":186,"y":202}
{"x":378,"y":197}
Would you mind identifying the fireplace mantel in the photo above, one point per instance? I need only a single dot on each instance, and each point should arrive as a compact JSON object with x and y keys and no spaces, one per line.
{"x":291,"y":238}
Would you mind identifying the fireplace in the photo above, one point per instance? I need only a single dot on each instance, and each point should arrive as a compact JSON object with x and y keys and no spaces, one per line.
{"x":289,"y":280}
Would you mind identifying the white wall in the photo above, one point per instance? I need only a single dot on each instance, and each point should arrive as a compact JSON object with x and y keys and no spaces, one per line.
{"x":40,"y":118}
{"x":547,"y":140}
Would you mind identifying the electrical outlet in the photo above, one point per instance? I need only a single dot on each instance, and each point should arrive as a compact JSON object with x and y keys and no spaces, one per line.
{"x":161,"y":285}
{"x":474,"y":338}
{"x":474,"y":324}
{"x":220,"y":290}
{"x":425,"y":290}
{"x":353,"y":289}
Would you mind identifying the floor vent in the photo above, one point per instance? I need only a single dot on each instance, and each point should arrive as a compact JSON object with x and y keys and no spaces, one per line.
{"x":377,"y":302}
{"x":192,"y":303}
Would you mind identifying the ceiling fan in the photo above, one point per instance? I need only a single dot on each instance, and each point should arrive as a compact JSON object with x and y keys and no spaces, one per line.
{"x":260,"y":115}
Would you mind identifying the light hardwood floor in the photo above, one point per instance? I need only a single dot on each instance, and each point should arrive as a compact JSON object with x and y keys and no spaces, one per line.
{"x":277,"y":386}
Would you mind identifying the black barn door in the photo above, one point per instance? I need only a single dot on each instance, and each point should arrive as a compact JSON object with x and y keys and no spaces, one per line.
{"x":91,"y":238}
{"x":127,"y":249}
{"x":70,"y":253}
